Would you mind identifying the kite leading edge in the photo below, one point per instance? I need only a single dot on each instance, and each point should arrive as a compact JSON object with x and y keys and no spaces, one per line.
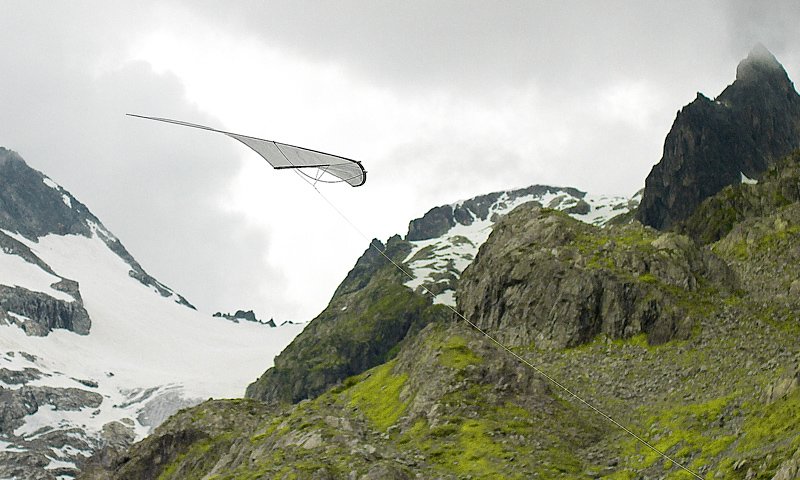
{"x":282,"y":155}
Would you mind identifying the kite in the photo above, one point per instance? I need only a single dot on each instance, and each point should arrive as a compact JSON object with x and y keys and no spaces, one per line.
{"x":329,"y":168}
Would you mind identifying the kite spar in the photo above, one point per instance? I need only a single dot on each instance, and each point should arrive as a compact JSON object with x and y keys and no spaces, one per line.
{"x":285,"y":156}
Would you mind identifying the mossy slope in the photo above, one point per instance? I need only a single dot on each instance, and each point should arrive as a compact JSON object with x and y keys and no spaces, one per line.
{"x":721,"y":398}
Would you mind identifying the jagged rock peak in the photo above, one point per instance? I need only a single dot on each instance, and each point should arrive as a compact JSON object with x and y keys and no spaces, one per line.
{"x":760,"y":61}
{"x":752,"y":124}
{"x":33,"y":205}
{"x":7,"y":155}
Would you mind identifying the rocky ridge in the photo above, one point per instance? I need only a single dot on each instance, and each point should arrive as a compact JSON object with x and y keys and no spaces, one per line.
{"x":247,"y":316}
{"x":368,"y":317}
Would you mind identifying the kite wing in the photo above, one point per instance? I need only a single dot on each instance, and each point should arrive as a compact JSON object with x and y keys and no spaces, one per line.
{"x":283,"y":155}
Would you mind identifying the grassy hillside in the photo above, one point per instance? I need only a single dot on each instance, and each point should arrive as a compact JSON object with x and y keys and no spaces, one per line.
{"x":720,"y":395}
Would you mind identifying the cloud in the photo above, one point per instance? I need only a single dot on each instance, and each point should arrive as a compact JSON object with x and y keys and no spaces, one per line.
{"x":469,"y":46}
{"x":65,"y":91}
{"x":441,"y":100}
{"x":773,"y":23}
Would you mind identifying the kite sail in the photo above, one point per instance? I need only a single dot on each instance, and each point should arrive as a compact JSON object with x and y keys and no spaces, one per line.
{"x":283,"y":155}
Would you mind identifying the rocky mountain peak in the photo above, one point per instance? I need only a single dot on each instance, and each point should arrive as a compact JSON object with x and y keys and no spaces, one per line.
{"x":34,"y":206}
{"x":759,"y":62}
{"x":753,"y":123}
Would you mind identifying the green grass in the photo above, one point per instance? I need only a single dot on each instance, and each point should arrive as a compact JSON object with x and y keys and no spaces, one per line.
{"x":457,"y":355}
{"x":378,"y":396}
{"x":690,"y":434}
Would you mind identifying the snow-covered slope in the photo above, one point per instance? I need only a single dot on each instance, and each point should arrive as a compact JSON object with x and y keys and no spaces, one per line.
{"x":143,"y":353}
{"x":447,"y":238}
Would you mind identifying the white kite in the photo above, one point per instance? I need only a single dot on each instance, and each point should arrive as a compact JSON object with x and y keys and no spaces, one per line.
{"x":283,"y":156}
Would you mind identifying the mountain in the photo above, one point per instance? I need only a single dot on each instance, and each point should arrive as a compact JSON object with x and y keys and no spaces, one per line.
{"x":753,"y":123}
{"x":686,"y":337}
{"x":377,"y":306}
{"x":693,"y":347}
{"x":95,"y":352}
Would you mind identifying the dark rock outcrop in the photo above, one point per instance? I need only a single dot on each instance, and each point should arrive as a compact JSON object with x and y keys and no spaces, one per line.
{"x":19,"y":377}
{"x":433,"y":224}
{"x":370,"y":263}
{"x":41,"y":312}
{"x":716,"y":216}
{"x":15,"y":405}
{"x":543,"y":278}
{"x":248,"y":316}
{"x":33,"y":208}
{"x":753,"y":123}
{"x":12,"y":246}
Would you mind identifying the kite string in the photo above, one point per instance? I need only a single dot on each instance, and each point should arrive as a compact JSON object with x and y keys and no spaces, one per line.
{"x":506,"y":348}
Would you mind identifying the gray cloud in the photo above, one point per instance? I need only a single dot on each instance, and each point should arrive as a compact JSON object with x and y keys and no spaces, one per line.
{"x":772,"y":23}
{"x":64,"y":102}
{"x":569,"y":93}
{"x":488,"y":53}
{"x":473,"y":45}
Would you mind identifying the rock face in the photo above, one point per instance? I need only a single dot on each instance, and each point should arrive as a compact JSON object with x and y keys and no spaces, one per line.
{"x":757,"y":228}
{"x":16,"y":404}
{"x":753,"y":123}
{"x":545,"y":279}
{"x":33,"y":207}
{"x":715,"y":217}
{"x":28,"y":458}
{"x":38,"y":314}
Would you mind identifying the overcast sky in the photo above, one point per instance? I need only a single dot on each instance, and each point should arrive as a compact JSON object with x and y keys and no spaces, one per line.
{"x":440,"y":101}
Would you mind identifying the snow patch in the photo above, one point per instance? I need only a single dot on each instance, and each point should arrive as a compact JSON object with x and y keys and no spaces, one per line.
{"x":50,"y":183}
{"x":748,"y":181}
{"x":66,"y":200}
{"x":603,"y":208}
{"x":15,"y":271}
{"x":56,"y":463}
{"x":10,"y":447}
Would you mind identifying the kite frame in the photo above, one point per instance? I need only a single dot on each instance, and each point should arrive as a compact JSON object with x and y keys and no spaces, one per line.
{"x":291,"y":165}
